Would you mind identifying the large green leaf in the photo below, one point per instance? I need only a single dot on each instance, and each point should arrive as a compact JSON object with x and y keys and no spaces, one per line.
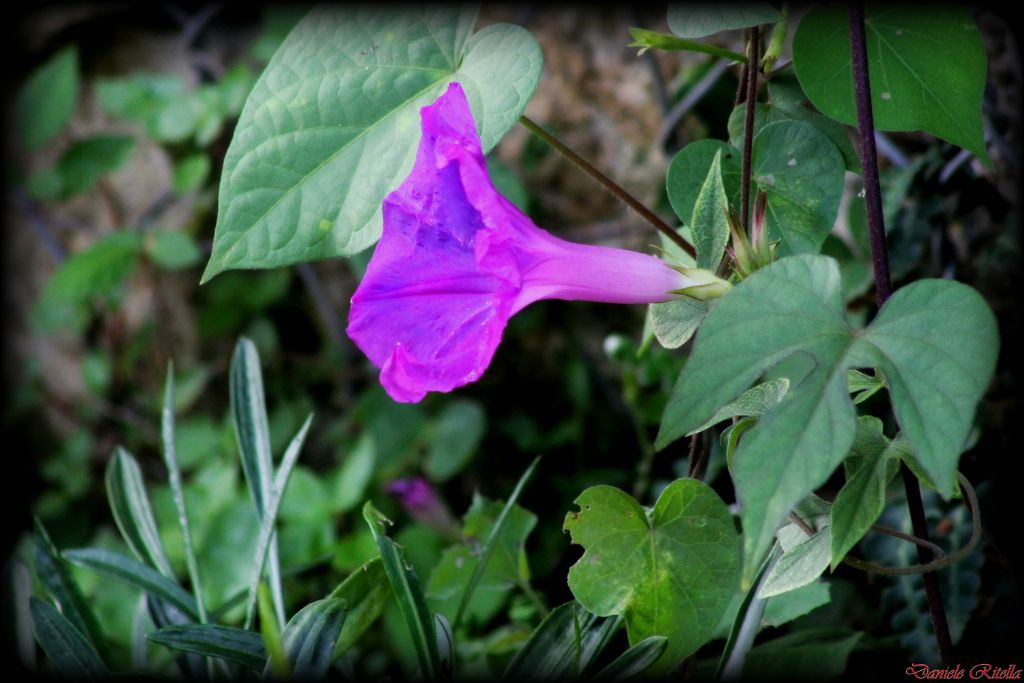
{"x":801,"y":173}
{"x":46,"y":101}
{"x":670,"y":571}
{"x":935,"y":340}
{"x":873,"y":462}
{"x":69,"y":651}
{"x":927,"y":67}
{"x":696,"y":20}
{"x":332,"y":125}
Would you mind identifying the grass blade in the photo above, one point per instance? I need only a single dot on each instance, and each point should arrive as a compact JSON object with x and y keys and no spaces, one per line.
{"x":178,"y":492}
{"x":492,"y":540}
{"x":594,"y":641}
{"x":136,"y":574}
{"x":249,"y":416}
{"x":212,"y":640}
{"x":406,"y":588}
{"x":55,"y":575}
{"x":366,"y":593}
{"x":68,"y":650}
{"x":634,"y":661}
{"x":310,"y":638}
{"x":291,"y":456}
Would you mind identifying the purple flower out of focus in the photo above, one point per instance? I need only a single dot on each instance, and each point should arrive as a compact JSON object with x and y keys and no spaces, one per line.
{"x":422,"y":503}
{"x":456,"y":260}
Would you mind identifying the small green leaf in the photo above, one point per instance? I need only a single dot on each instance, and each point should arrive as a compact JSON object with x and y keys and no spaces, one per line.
{"x":793,"y":309}
{"x":784,"y":608}
{"x":645,"y":40}
{"x":865,"y":386}
{"x":332,"y":125}
{"x":927,"y":67}
{"x":366,"y":593}
{"x":753,"y":402}
{"x":46,"y":100}
{"x":136,"y":574}
{"x":675,"y":321}
{"x":803,"y":559}
{"x":68,"y":650}
{"x":190,"y":173}
{"x":872,"y":463}
{"x":709,"y":224}
{"x":453,"y":573}
{"x":88,"y":160}
{"x":213,"y":640}
{"x":173,"y":249}
{"x":132,"y":512}
{"x":689,"y":169}
{"x":698,"y":20}
{"x":55,"y":575}
{"x":801,"y":173}
{"x":643,"y":564}
{"x":310,"y":636}
{"x":406,"y":588}
{"x":634,"y":661}
{"x":96,"y":271}
{"x":354,"y":474}
{"x":456,"y":435}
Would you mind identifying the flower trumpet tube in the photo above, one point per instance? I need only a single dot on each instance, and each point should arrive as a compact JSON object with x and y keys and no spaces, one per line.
{"x":456,"y":260}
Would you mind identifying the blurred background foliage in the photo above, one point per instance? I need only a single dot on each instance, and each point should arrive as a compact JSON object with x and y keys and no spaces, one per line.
{"x":119,"y":120}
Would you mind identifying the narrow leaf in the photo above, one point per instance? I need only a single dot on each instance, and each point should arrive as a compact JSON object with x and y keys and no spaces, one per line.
{"x":273,"y":504}
{"x":366,"y":593}
{"x":55,"y":575}
{"x":213,"y":640}
{"x":133,"y":513}
{"x":553,"y":650}
{"x":174,"y":475}
{"x":634,"y":661}
{"x":68,"y":650}
{"x":136,"y":574}
{"x":310,"y":636}
{"x":406,"y":588}
{"x":709,"y":224}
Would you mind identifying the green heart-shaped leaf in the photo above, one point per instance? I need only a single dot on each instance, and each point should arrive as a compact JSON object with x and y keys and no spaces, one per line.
{"x":935,"y":340}
{"x":927,"y":67}
{"x":332,"y":125}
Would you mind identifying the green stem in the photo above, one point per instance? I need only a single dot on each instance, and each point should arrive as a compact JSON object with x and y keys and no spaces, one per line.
{"x":608,"y":184}
{"x":646,"y":40}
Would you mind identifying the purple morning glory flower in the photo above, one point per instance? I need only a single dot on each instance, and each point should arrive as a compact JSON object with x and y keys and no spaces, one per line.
{"x":422,"y":503}
{"x":456,"y":260}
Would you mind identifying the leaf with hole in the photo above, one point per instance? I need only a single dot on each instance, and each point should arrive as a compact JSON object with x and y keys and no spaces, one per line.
{"x":332,"y":125}
{"x":670,"y":571}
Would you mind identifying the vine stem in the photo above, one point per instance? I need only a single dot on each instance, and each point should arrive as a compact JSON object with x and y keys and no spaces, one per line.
{"x":609,"y":184}
{"x":883,"y":290}
{"x":748,"y":127}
